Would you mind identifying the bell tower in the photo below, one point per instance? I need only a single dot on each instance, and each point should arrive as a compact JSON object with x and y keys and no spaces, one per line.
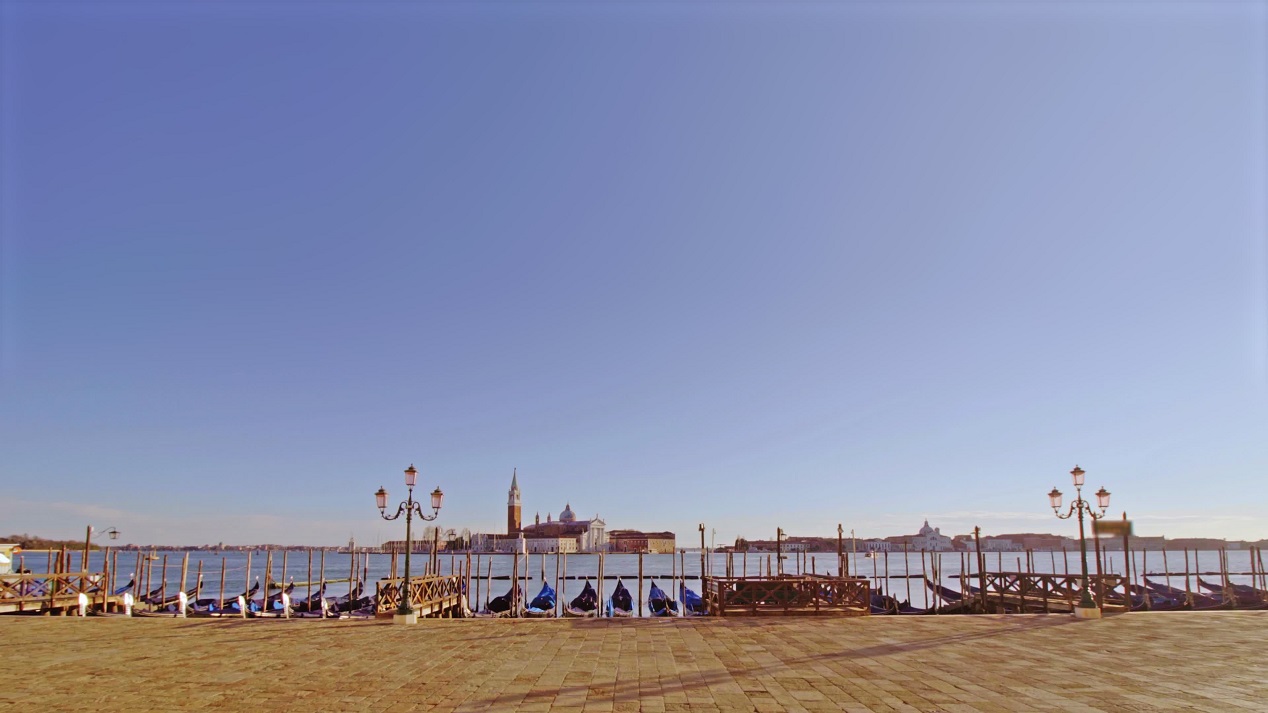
{"x":513,"y":506}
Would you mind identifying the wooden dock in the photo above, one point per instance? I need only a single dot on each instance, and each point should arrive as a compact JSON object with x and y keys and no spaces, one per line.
{"x":56,"y":593}
{"x":430,"y":596}
{"x":788,"y":595}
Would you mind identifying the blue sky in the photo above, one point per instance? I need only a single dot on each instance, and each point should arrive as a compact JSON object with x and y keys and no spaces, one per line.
{"x":751,"y":265}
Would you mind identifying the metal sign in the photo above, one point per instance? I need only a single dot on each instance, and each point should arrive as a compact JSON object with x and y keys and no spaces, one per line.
{"x":1112,"y":527}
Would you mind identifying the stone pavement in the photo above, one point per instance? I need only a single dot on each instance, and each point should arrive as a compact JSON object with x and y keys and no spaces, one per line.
{"x":1182,"y":661}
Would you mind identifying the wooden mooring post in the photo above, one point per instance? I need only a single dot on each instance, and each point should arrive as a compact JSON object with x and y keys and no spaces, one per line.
{"x":640,"y":584}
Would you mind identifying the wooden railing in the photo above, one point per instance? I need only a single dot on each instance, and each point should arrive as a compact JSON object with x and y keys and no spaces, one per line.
{"x":429,"y":596}
{"x":787,"y":594}
{"x":49,"y":591}
{"x":1032,"y":592}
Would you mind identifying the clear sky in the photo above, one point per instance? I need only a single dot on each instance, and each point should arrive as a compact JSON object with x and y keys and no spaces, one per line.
{"x":750,"y":264}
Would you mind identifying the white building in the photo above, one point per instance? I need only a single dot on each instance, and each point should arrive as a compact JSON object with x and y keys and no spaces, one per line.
{"x":930,"y":539}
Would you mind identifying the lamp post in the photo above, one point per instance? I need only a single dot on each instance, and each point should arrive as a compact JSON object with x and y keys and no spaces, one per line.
{"x":405,"y":612}
{"x":702,"y":556}
{"x":779,"y":550}
{"x":1086,"y":609}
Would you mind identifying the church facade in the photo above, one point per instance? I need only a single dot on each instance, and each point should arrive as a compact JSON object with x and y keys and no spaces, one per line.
{"x":567,"y":534}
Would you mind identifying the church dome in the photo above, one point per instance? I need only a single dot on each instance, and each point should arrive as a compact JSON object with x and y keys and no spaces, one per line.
{"x":567,"y":515}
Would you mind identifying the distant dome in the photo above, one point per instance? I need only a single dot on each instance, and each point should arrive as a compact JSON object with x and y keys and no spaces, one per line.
{"x":926,"y":530}
{"x":567,"y":515}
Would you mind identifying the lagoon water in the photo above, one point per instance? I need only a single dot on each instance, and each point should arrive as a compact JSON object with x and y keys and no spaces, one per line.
{"x":888,"y":572}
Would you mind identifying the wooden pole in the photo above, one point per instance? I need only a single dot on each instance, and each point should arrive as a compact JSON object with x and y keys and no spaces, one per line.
{"x":923,"y":574}
{"x":887,"y":582}
{"x":981,"y":566}
{"x":163,"y":584}
{"x":673,"y":570}
{"x":353,"y":584}
{"x":1188,"y":593}
{"x":224,"y":564}
{"x":907,"y":569}
{"x":682,"y":573}
{"x":308,"y":595}
{"x":268,"y":576}
{"x":246,"y":583}
{"x":744,"y":564}
{"x":640,"y":584}
{"x":184,"y":574}
{"x":198,"y":582}
{"x":599,"y":558}
{"x":321,"y":574}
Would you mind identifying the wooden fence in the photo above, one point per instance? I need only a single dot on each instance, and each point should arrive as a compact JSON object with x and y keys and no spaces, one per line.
{"x":788,"y":595}
{"x":1032,"y":592}
{"x":50,"y":591}
{"x":430,"y":595}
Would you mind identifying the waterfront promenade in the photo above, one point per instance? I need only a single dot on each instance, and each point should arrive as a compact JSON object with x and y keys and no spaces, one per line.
{"x":1199,"y":661}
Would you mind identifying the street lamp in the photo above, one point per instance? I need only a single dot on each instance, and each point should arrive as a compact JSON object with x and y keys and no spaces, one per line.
{"x":1086,"y":609}
{"x":702,"y":553}
{"x":405,"y":612}
{"x":779,"y":549}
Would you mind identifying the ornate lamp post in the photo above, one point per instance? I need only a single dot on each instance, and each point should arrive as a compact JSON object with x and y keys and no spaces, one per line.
{"x":702,"y":553}
{"x":779,"y":549}
{"x":1086,"y":609}
{"x":405,"y":612}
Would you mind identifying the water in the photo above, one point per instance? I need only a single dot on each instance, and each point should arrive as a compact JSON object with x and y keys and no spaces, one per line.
{"x":890,"y":574}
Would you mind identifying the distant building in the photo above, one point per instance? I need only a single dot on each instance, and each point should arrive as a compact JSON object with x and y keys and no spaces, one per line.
{"x":567,"y":534}
{"x":424,"y":545}
{"x":929,"y":539}
{"x":636,"y":541}
{"x":590,"y":535}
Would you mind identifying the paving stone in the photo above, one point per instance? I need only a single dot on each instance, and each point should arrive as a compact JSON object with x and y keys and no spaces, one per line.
{"x":980,"y":664}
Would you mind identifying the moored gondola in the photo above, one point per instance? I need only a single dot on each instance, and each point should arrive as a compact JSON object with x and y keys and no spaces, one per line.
{"x":620,"y":604}
{"x":543,"y":605}
{"x":659,"y":603}
{"x":1241,"y":596}
{"x":501,"y":607}
{"x":1191,"y":600}
{"x":584,"y":604}
{"x":692,"y":604}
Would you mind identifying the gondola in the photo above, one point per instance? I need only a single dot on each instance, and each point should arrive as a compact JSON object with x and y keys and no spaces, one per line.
{"x":1243,"y":596}
{"x":277,"y":604}
{"x":214,"y":607}
{"x":131,"y":583}
{"x":692,"y":603}
{"x":1191,"y":600}
{"x":620,"y":603}
{"x":352,"y":602}
{"x":172,"y":603}
{"x":501,"y":607}
{"x":543,"y":605}
{"x":945,"y":593}
{"x":312,"y":603}
{"x":659,"y":603}
{"x":585,"y":604}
